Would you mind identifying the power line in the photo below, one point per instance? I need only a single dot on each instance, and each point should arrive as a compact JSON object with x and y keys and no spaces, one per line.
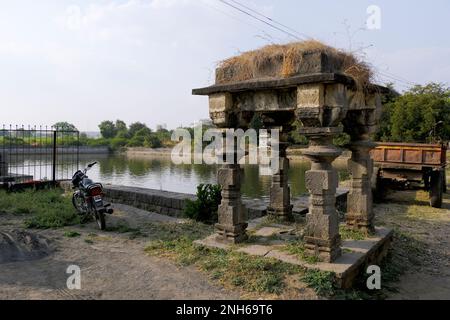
{"x":267,"y":35}
{"x":259,"y":19}
{"x":270,"y":19}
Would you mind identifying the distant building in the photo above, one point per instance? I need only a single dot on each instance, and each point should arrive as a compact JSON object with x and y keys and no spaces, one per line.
{"x":160,"y":127}
{"x":92,"y":134}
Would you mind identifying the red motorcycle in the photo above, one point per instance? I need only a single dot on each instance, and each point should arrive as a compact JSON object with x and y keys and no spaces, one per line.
{"x":88,"y":197}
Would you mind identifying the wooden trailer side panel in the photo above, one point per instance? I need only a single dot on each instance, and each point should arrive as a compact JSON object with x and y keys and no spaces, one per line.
{"x":412,"y":154}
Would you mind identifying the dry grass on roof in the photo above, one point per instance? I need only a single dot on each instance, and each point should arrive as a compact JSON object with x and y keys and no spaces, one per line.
{"x":286,"y":60}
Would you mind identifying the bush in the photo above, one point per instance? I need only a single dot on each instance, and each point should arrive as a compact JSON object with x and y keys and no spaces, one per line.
{"x":205,"y":207}
{"x":117,"y":143}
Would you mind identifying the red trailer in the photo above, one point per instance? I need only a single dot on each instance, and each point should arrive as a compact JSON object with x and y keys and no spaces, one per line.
{"x":412,"y":162}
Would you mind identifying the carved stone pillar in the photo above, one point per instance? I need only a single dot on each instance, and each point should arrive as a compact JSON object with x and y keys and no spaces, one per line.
{"x":359,"y":201}
{"x":320,"y":108}
{"x":280,"y":193}
{"x":232,"y":224}
{"x":322,"y":237}
{"x":359,"y":124}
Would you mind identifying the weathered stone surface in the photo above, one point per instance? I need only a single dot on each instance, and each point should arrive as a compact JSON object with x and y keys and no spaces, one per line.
{"x":232,"y":224}
{"x":360,"y":203}
{"x":256,"y":250}
{"x":162,"y":202}
{"x":220,"y":105}
{"x":322,"y":228}
{"x":280,"y":193}
{"x":267,"y":231}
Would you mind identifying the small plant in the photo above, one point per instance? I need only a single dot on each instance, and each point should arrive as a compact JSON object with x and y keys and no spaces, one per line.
{"x":297,"y":248}
{"x":351,"y":234}
{"x":205,"y":207}
{"x":122,"y":227}
{"x":322,"y":282}
{"x":71,"y":234}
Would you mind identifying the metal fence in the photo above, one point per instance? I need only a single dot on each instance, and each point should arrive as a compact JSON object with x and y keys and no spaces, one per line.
{"x":38,"y":153}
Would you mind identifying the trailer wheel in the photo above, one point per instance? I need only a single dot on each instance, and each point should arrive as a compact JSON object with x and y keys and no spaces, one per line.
{"x":378,"y":185}
{"x":436,"y":188}
{"x":444,"y":181}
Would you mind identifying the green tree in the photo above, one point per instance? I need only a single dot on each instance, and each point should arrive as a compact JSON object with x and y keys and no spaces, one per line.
{"x":135,"y":127}
{"x":418,"y":114}
{"x":65,"y":126}
{"x":108,"y":129}
{"x":121,"y":125}
{"x":152,"y":141}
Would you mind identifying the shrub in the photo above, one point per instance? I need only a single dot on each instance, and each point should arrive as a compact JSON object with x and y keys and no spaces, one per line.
{"x":205,"y":207}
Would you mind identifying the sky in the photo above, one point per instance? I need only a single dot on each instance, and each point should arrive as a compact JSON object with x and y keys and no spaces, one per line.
{"x":85,"y":61}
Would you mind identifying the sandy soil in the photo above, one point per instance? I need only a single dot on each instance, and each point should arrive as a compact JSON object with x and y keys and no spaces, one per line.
{"x":410,"y":213}
{"x":112,"y":267}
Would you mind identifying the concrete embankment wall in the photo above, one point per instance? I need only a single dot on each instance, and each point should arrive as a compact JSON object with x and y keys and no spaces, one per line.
{"x":49,"y":150}
{"x":173,"y":203}
{"x":162,"y":202}
{"x":293,"y":154}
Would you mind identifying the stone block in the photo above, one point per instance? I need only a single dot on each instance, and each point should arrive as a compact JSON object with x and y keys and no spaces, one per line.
{"x":321,"y":181}
{"x":228,"y":177}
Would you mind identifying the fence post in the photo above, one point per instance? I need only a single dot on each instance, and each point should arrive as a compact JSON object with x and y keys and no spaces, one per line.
{"x":54,"y":156}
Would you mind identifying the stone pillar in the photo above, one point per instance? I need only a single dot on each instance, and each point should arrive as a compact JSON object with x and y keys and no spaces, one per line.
{"x":359,"y":123}
{"x":359,"y":201}
{"x":232,"y":224}
{"x":320,"y":108}
{"x":322,"y":237}
{"x":280,"y":193}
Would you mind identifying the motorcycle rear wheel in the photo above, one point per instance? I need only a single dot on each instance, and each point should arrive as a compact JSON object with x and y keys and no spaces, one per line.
{"x":100,"y":219}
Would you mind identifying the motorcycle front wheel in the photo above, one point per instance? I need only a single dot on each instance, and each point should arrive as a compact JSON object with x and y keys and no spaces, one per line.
{"x":79,"y":203}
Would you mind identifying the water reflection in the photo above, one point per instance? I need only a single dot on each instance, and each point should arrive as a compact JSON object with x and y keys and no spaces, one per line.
{"x":158,"y":172}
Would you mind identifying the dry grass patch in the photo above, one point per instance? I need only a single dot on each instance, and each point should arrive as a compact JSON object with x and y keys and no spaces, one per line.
{"x":286,"y":60}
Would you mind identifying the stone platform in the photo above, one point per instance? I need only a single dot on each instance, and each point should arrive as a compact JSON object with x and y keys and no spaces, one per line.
{"x":271,"y":240}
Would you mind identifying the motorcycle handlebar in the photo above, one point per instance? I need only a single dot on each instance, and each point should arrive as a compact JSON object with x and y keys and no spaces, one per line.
{"x":92,"y":164}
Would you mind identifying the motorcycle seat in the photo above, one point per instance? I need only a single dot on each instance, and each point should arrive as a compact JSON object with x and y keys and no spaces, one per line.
{"x":85,"y":183}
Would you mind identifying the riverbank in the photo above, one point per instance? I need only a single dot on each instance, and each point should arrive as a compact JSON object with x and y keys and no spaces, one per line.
{"x":38,"y":151}
{"x":292,"y":153}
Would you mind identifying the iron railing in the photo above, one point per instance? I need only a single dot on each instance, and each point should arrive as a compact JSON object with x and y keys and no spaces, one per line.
{"x":38,"y":153}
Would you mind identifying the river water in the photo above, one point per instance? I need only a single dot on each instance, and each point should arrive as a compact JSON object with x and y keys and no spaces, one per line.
{"x":159,"y":172}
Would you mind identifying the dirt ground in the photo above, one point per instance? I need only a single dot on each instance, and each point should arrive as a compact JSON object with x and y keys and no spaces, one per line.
{"x":115,"y":266}
{"x":409,"y":212}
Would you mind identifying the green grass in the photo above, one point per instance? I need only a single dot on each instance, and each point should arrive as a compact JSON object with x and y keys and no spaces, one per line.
{"x":297,"y":248}
{"x":351,"y":234}
{"x":322,"y":282}
{"x":43,"y":209}
{"x":230,"y":268}
{"x":71,"y":234}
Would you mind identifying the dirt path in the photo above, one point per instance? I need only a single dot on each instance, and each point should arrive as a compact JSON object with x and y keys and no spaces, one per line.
{"x":409,"y":213}
{"x":113,"y":266}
